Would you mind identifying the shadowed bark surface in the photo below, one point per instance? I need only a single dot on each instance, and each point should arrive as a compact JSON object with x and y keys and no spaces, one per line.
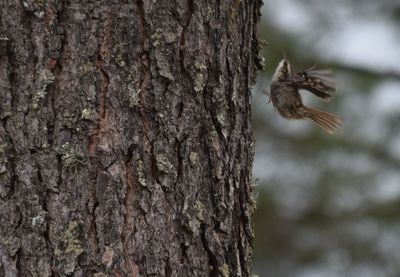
{"x":125,"y":137}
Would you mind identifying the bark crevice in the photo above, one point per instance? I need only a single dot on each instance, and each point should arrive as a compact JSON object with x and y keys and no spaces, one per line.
{"x":212,"y":259}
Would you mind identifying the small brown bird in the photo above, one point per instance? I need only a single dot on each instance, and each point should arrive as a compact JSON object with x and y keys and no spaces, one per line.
{"x":286,"y":98}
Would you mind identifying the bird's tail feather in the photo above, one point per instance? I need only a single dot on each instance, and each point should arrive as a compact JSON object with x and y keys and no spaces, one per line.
{"x":329,"y":122}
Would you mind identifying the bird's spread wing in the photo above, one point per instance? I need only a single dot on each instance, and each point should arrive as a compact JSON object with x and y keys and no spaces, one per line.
{"x":318,"y":81}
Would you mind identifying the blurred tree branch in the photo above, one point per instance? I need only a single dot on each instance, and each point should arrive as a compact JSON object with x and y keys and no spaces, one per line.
{"x":363,"y":70}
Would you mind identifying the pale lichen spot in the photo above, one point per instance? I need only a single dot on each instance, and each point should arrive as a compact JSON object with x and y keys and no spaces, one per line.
{"x":170,"y":37}
{"x":199,"y":206}
{"x":85,"y":114}
{"x":140,"y":173}
{"x":133,"y":96}
{"x":194,"y":158}
{"x":163,"y":164}
{"x":224,"y":269}
{"x":70,"y":242}
{"x":86,"y":68}
{"x":199,"y":82}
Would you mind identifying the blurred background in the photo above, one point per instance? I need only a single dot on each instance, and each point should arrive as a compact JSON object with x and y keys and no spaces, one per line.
{"x":330,"y":205}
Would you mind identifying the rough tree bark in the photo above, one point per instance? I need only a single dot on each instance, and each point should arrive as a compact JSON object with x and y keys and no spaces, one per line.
{"x":125,"y":137}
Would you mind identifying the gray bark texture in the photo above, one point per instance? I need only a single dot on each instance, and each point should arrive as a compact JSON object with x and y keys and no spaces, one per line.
{"x":125,"y":137}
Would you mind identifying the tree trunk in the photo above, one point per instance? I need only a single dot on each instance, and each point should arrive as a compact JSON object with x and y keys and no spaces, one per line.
{"x":125,"y":137}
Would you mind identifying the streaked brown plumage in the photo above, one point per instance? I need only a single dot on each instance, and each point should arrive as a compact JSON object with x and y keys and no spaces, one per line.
{"x":286,"y":98}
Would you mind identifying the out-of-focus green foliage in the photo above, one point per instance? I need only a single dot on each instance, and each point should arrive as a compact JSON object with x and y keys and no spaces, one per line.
{"x":329,"y":205}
